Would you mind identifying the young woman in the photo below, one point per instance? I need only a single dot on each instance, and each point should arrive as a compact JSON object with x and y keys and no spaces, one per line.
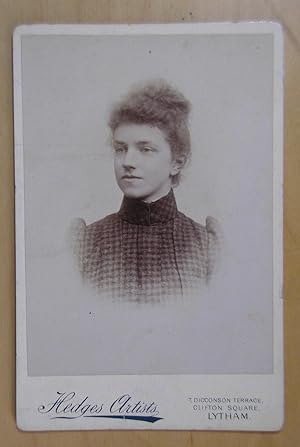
{"x":148,"y":250}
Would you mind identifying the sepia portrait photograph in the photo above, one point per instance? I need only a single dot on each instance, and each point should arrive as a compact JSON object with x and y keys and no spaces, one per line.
{"x":148,"y":250}
{"x":147,"y":168}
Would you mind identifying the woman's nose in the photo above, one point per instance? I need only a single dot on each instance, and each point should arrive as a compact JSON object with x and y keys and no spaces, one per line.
{"x":130,"y":158}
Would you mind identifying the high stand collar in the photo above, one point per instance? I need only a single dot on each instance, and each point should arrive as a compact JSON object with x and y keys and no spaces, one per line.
{"x":137,"y":212}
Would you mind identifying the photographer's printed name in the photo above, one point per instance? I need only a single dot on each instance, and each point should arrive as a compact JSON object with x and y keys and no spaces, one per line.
{"x":69,"y":405}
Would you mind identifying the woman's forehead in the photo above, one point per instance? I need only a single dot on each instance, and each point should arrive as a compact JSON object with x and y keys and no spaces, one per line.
{"x":132,"y":132}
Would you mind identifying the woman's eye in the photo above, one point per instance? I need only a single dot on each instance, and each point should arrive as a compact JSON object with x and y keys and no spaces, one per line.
{"x":146,"y":149}
{"x":119,"y":149}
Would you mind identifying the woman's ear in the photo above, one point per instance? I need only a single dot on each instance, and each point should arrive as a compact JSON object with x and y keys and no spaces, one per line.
{"x":177,"y":164}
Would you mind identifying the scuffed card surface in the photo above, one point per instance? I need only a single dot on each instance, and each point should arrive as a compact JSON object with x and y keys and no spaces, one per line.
{"x":148,"y":172}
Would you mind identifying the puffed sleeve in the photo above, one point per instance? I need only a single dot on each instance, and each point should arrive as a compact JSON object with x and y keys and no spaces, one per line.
{"x":77,"y":233}
{"x":214,"y":245}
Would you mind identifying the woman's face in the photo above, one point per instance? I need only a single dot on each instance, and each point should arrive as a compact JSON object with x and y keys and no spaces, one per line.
{"x":143,"y":161}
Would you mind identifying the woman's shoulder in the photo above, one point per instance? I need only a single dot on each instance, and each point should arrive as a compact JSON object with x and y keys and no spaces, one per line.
{"x":84,"y":238}
{"x":209,"y":237}
{"x":80,"y":226}
{"x":83,"y":235}
{"x":210,"y":228}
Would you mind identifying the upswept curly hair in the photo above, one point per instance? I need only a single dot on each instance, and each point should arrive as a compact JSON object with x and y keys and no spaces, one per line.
{"x":159,"y":104}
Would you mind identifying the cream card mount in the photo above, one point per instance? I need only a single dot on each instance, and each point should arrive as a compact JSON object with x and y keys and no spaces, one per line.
{"x":148,"y":180}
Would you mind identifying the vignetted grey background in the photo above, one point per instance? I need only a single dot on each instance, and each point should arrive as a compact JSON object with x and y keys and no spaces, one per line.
{"x":69,"y":84}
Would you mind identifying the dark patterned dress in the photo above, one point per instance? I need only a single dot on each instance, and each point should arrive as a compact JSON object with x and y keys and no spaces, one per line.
{"x":147,"y":252}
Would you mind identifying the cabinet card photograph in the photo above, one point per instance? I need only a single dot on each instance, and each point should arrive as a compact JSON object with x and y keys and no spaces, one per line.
{"x":148,"y":180}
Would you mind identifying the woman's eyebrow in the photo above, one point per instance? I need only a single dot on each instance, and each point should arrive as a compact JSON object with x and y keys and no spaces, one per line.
{"x":144,"y":142}
{"x":118,"y":142}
